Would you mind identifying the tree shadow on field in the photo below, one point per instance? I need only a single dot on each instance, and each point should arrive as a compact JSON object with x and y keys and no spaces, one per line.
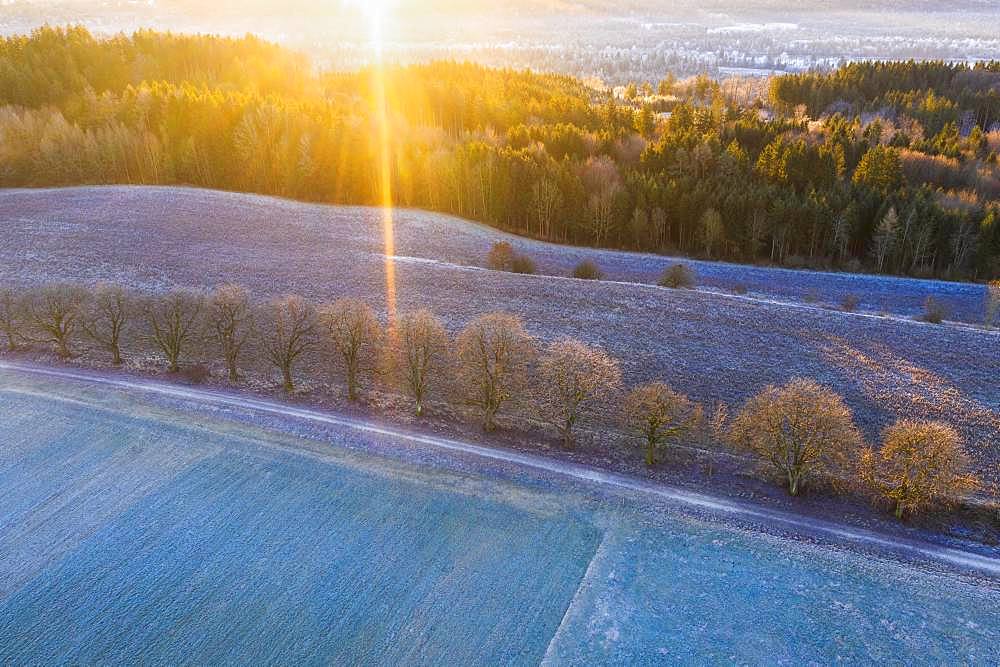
{"x":895,"y":387}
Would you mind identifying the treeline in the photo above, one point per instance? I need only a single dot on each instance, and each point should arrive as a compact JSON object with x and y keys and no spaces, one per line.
{"x":802,"y":433}
{"x":938,"y":91}
{"x":540,"y":155}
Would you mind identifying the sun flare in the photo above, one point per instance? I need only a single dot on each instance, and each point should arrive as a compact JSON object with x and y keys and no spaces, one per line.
{"x":376,"y":12}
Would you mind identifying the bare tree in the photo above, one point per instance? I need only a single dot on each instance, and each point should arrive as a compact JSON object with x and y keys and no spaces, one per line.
{"x":921,"y":465}
{"x":546,"y":200}
{"x":493,"y":355}
{"x":657,"y":415}
{"x":12,"y":317}
{"x":573,"y":379}
{"x":54,"y":313}
{"x":106,"y":317}
{"x":803,"y":429}
{"x":289,"y":330}
{"x":173,"y":323}
{"x":230,"y":317}
{"x":419,"y":348}
{"x":711,"y":229}
{"x":355,"y":333}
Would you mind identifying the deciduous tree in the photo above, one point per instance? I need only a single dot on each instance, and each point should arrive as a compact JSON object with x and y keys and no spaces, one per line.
{"x":289,"y":329}
{"x":493,"y":354}
{"x":355,"y":333}
{"x":106,"y":318}
{"x":920,"y":466}
{"x":12,"y":319}
{"x":54,"y":313}
{"x":230,"y":317}
{"x":573,"y":379}
{"x":420,"y":348}
{"x":804,"y":430}
{"x":173,"y":323}
{"x":658,"y":415}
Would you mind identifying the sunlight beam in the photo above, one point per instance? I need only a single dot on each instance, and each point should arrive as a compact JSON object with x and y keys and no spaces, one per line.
{"x":375,"y":12}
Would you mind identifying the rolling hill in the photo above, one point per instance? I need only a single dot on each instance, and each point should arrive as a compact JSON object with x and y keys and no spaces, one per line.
{"x":711,"y":344}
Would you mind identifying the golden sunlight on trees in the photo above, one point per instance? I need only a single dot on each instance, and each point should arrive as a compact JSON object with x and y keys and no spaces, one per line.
{"x":174,"y":323}
{"x":288,"y":330}
{"x":527,"y":152}
{"x":494,"y":352}
{"x":657,"y":415}
{"x":804,"y":430}
{"x":105,"y":318}
{"x":419,"y":354}
{"x":355,"y":332}
{"x":230,"y":318}
{"x":921,"y":466}
{"x":573,"y":379}
{"x":54,"y":314}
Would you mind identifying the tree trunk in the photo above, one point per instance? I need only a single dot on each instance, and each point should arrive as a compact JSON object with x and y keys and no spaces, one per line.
{"x":489,"y":423}
{"x":352,"y":383}
{"x":650,"y":453}
{"x":287,"y":375}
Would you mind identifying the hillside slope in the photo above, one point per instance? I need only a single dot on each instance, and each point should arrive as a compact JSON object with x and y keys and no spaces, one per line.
{"x":714,"y":346}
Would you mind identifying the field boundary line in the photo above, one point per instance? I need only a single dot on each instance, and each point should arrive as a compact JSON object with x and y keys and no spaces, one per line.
{"x":725,"y":507}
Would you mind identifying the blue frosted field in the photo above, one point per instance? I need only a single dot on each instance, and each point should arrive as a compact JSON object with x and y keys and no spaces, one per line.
{"x":128,"y":537}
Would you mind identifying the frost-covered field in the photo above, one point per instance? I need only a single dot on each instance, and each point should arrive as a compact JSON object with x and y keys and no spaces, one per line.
{"x":136,"y":532}
{"x":225,"y":227}
{"x":714,"y":346}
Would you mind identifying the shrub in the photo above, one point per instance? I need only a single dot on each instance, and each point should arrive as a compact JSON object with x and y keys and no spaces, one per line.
{"x":195,"y":373}
{"x":419,"y":353}
{"x":500,"y":257}
{"x":522,"y":264}
{"x":677,"y":276}
{"x":991,"y":304}
{"x":658,"y":415}
{"x":574,"y":378}
{"x":935,"y":312}
{"x":493,"y":355}
{"x":355,"y":332}
{"x":503,"y":258}
{"x":811,"y":296}
{"x":849,"y":303}
{"x":921,"y":465}
{"x":803,"y":430}
{"x":740,"y":289}
{"x":588,"y":270}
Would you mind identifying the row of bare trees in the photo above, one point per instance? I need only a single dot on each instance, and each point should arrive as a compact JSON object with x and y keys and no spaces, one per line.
{"x":803,"y":432}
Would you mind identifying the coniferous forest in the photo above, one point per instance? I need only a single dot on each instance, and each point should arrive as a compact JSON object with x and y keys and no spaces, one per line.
{"x":884,"y":167}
